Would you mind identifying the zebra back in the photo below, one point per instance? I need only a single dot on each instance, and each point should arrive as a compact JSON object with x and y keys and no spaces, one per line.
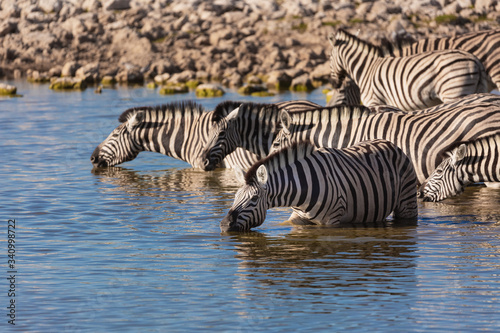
{"x":409,"y":83}
{"x":423,"y":137}
{"x":485,"y":45}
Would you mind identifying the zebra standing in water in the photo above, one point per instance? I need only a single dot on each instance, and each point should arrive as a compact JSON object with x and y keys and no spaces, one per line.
{"x":470,"y":162}
{"x":178,"y":130}
{"x":362,"y":183}
{"x":423,"y":137}
{"x":485,"y":45}
{"x":409,"y":83}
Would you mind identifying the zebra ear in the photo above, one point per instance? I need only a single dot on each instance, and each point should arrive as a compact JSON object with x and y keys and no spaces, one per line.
{"x":285,"y":120}
{"x":458,"y":153}
{"x":240,"y":174}
{"x":134,"y":120}
{"x":262,"y":175}
{"x":233,"y":114}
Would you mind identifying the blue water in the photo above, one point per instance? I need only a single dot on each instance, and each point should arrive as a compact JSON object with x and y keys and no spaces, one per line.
{"x":138,"y":247}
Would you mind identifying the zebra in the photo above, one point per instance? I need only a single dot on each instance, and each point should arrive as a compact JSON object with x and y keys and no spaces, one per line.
{"x":410,"y":83}
{"x":327,"y":186}
{"x":178,"y":130}
{"x":470,"y":162}
{"x":348,"y":93}
{"x":485,"y":45}
{"x":424,"y":137}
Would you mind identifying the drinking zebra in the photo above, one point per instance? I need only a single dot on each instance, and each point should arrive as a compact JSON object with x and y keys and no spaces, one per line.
{"x":470,"y":162}
{"x":424,"y":137}
{"x":178,"y":130}
{"x":410,"y":83}
{"x":362,"y":183}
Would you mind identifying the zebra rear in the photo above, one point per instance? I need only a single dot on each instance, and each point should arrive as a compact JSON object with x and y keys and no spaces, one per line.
{"x":362,"y":183}
{"x":410,"y":83}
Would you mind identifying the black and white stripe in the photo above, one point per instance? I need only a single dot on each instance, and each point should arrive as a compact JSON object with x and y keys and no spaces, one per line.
{"x":410,"y":83}
{"x":470,"y":162}
{"x":178,"y":130}
{"x":362,"y":183}
{"x":424,"y":137}
{"x":485,"y":45}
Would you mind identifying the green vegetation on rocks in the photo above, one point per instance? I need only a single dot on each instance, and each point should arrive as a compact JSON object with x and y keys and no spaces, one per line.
{"x":209,"y":90}
{"x":171,"y":89}
{"x":67,"y":83}
{"x":7,"y":89}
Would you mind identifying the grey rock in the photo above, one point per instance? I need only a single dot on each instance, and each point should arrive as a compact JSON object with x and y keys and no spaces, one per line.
{"x":89,"y":73}
{"x":116,"y":4}
{"x":69,"y":68}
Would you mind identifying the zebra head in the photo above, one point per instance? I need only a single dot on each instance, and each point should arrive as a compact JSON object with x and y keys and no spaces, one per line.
{"x":446,"y":180}
{"x":250,"y":203}
{"x":284,"y":136}
{"x":223,"y":140}
{"x":120,"y":145}
{"x":337,"y":69}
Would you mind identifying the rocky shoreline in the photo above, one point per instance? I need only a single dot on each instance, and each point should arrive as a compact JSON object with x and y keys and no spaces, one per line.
{"x":277,"y":44}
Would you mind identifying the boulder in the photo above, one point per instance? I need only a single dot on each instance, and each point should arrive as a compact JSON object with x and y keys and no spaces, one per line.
{"x":162,"y":78}
{"x":130,"y":74}
{"x":69,"y":68}
{"x":108,"y":80}
{"x":302,"y":83}
{"x":278,"y":80}
{"x":173,"y":89}
{"x":50,"y":6}
{"x":89,"y":73}
{"x":67,"y":83}
{"x":209,"y":90}
{"x":7,"y":27}
{"x":7,"y":89}
{"x":111,"y":5}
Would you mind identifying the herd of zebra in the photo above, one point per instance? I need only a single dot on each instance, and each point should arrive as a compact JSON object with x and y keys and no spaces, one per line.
{"x":407,"y":121}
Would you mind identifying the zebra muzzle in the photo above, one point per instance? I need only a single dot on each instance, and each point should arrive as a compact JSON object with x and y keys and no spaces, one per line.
{"x":208,"y":165}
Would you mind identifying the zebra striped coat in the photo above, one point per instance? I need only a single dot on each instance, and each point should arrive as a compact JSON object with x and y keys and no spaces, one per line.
{"x":362,"y":183}
{"x":410,"y":83}
{"x":423,"y":137}
{"x":485,"y":45}
{"x":178,"y":130}
{"x":470,"y":162}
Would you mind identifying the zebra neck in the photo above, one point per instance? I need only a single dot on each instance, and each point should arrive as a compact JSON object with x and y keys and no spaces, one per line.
{"x":482,"y":161}
{"x":175,"y":134}
{"x":257,"y":130}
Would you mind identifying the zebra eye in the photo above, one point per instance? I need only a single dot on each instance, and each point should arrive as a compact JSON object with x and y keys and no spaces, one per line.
{"x":255,"y":198}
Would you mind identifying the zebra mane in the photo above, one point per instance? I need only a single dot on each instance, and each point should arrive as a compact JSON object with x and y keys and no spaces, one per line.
{"x":281,"y":158}
{"x":165,"y":108}
{"x":339,"y":112}
{"x":449,"y":149}
{"x":344,"y":36}
{"x":224,"y":108}
{"x":400,"y":42}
